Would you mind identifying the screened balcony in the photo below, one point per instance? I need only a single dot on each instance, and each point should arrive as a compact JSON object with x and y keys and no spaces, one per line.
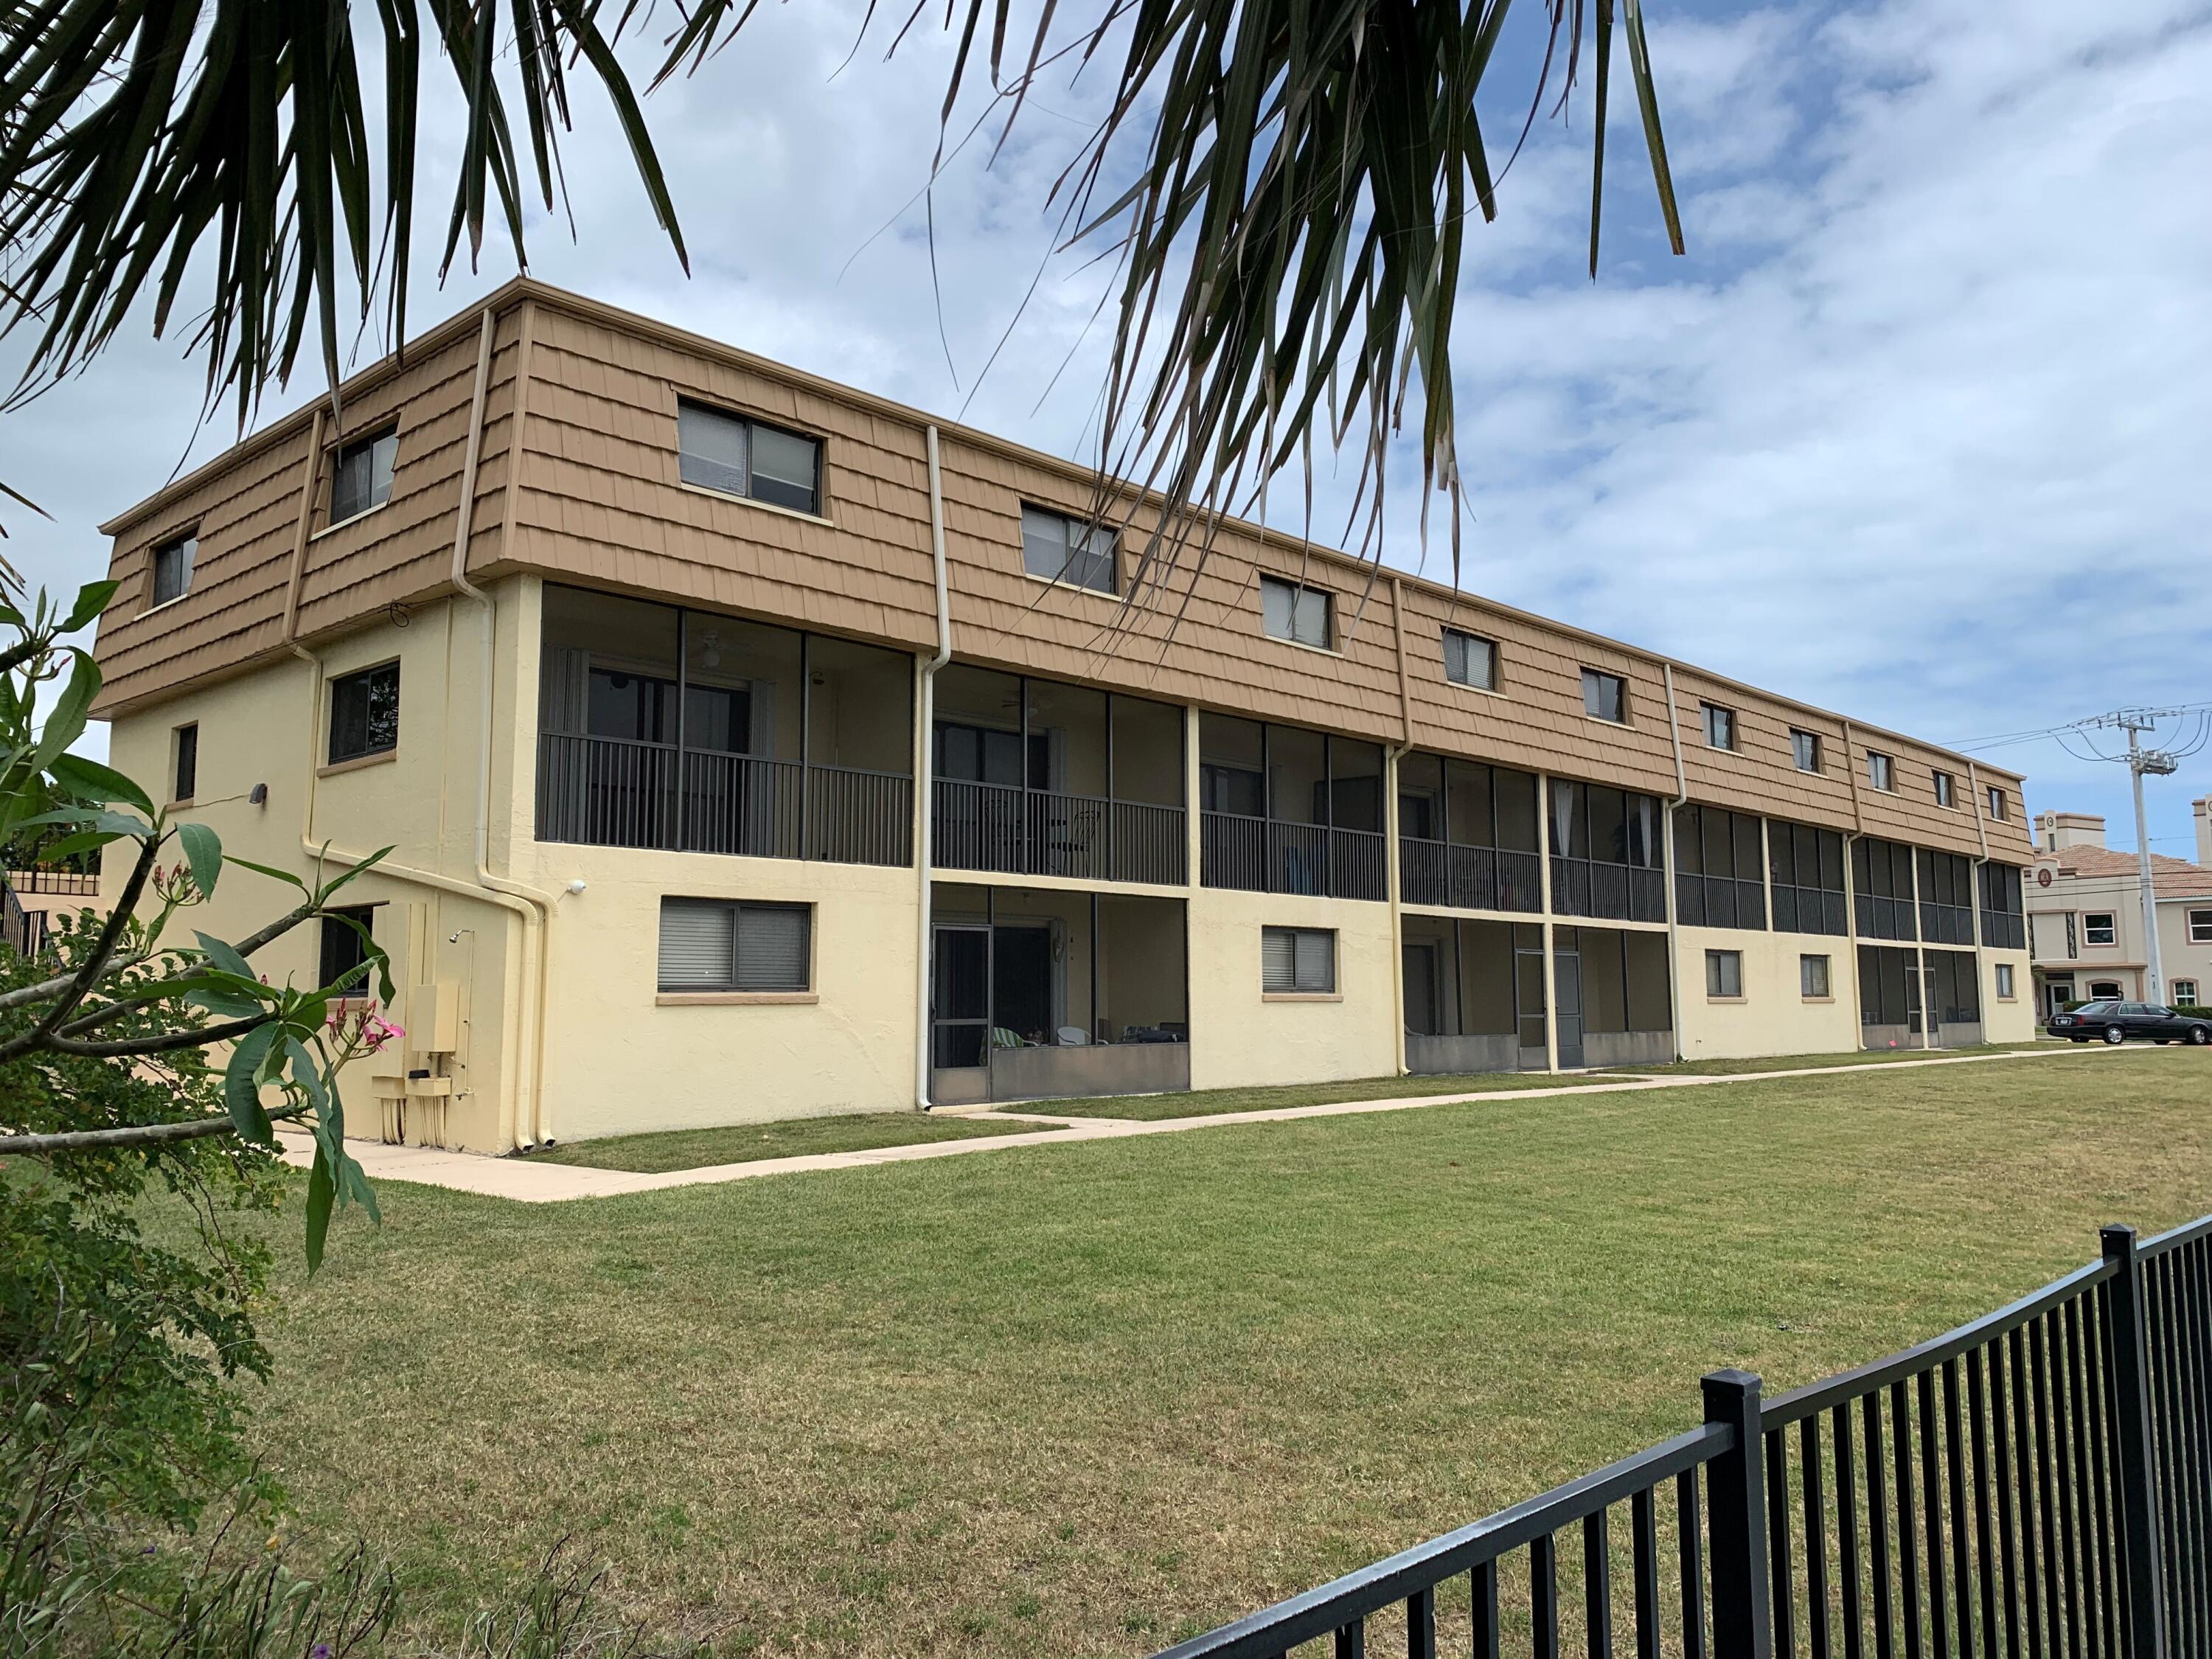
{"x":1467,"y":835}
{"x":1806,"y":865}
{"x":1606,"y":853}
{"x":1882,"y":882}
{"x":1042,"y":778}
{"x":1719,"y":868}
{"x":1285,"y":809}
{"x":688,"y":732}
{"x":1947,"y":898}
{"x":2004,"y":926}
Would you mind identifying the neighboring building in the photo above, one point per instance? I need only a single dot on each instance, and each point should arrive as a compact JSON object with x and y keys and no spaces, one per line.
{"x":627,"y":644}
{"x":2086,"y":917}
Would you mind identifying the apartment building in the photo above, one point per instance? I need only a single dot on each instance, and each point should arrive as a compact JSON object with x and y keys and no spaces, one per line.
{"x":749,"y":746}
{"x":2085,"y":916}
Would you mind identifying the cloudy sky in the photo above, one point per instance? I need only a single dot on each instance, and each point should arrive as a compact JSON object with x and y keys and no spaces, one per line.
{"x":1917,"y":430}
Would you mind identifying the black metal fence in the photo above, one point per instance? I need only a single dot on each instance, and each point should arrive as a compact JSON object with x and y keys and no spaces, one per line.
{"x":1040,"y":832}
{"x":2036,"y":1485}
{"x":1272,"y":855}
{"x":23,"y":932}
{"x":78,"y":884}
{"x":1609,"y":892}
{"x":1469,"y":877}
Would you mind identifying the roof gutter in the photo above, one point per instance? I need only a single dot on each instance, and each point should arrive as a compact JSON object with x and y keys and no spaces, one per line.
{"x":925,"y":724}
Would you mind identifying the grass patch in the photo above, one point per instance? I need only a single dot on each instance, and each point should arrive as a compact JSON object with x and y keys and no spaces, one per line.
{"x":1796,"y":1062}
{"x":797,"y":1137}
{"x":1209,"y":1102}
{"x":1089,"y":1398}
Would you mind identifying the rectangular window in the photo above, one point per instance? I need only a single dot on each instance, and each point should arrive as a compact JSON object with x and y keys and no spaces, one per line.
{"x":1813,"y":976}
{"x":343,"y":948}
{"x":2098,"y":928}
{"x":1996,"y":798}
{"x":173,"y":569}
{"x":1946,"y":793}
{"x":2200,"y":927}
{"x":362,"y":477}
{"x":1720,"y":726}
{"x":724,"y":945}
{"x":1060,"y":549}
{"x":1288,"y":611}
{"x":1723,"y":973}
{"x":365,"y":713}
{"x":186,"y":776}
{"x":1881,"y":771}
{"x":1470,"y":659}
{"x":2184,"y":991}
{"x":1605,"y":696}
{"x":2005,"y":981}
{"x":738,"y":456}
{"x":1298,"y":961}
{"x":1805,"y":750}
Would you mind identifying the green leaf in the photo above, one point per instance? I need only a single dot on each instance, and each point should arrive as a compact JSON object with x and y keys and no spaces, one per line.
{"x":65,"y":725}
{"x":304,"y":1073}
{"x":242,"y":1085}
{"x":203,"y":849}
{"x":226,"y":958}
{"x":224,"y":1001}
{"x":91,"y":599}
{"x":321,"y":1191}
{"x":269,"y":870}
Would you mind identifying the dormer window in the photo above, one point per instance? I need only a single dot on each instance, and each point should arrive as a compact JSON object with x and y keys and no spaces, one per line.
{"x":734,"y":456}
{"x":1057,"y":548}
{"x":1290,"y":612}
{"x":362,"y":477}
{"x":173,"y":569}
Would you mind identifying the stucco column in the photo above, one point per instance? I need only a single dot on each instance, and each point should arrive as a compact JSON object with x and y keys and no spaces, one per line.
{"x":1194,"y":840}
{"x":1544,"y":888}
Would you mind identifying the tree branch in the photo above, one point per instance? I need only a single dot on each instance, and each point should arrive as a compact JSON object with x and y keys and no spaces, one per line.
{"x":129,"y":1134}
{"x":168,"y":1043}
{"x":96,"y":964}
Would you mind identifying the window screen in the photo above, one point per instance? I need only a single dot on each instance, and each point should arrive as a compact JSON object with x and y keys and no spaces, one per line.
{"x":173,"y":569}
{"x":365,"y":713}
{"x":1605,"y":696}
{"x":1470,"y":659}
{"x":1064,"y":550}
{"x":1723,"y":973}
{"x":1293,"y":959}
{"x":721,"y":945}
{"x":362,"y":476}
{"x":188,"y":762}
{"x":738,"y":456}
{"x":1288,"y":611}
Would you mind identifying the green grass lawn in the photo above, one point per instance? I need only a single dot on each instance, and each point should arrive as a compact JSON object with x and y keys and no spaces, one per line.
{"x":1086,"y":1398}
{"x":797,"y":1137}
{"x":1855,"y":1057}
{"x":1209,"y":1102}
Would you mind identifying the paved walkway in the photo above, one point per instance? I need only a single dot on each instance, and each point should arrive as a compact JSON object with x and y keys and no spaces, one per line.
{"x":530,"y":1181}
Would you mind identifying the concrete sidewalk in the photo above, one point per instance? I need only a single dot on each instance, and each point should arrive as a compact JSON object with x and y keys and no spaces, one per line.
{"x":528,"y":1181}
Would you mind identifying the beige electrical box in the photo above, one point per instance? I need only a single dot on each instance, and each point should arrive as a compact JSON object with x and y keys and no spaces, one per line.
{"x":434,"y":1017}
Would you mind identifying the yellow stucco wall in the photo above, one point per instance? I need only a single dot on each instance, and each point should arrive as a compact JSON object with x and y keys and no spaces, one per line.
{"x":1773,"y":1017}
{"x":2008,"y":1019}
{"x":1238,"y":1036}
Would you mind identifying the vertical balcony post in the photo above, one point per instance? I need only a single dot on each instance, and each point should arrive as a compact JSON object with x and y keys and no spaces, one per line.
{"x":1544,"y":892}
{"x":1743,"y":1616}
{"x":2131,"y":1453}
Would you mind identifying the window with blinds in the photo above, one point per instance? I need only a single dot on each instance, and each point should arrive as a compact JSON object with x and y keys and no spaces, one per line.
{"x":723,"y":945}
{"x":1297,"y":959}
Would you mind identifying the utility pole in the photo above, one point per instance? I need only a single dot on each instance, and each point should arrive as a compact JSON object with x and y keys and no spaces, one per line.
{"x":2158,"y":763}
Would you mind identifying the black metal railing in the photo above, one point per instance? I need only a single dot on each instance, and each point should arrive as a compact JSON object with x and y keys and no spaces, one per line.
{"x":1721,"y":901}
{"x":2036,"y":1485}
{"x":1040,"y":832}
{"x":611,"y":792}
{"x":2004,"y":930}
{"x":1885,"y":918}
{"x":1267,"y":855}
{"x":23,"y":932}
{"x":1810,"y":910}
{"x":1459,"y":877}
{"x":1946,"y":924}
{"x":78,"y":884}
{"x":1609,"y":892}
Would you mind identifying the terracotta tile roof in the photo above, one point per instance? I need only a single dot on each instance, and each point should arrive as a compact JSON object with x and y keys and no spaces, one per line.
{"x":2171,"y":877}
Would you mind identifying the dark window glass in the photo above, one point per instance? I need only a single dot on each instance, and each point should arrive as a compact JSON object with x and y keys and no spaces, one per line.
{"x":343,"y":947}
{"x":1805,"y":750}
{"x":1946,"y":791}
{"x":365,"y":713}
{"x":173,"y":569}
{"x":1720,"y":726}
{"x":1880,"y":772}
{"x":188,"y":763}
{"x":1605,"y":696}
{"x":1470,"y":659}
{"x":362,"y":476}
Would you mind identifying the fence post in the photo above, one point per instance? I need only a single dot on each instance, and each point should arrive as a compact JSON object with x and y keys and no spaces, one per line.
{"x":2131,"y":1453}
{"x":1743,"y":1621}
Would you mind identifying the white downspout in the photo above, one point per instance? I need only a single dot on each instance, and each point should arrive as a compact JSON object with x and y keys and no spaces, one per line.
{"x":1674,"y":932}
{"x":926,"y":711}
{"x":1391,"y":853}
{"x":1987,"y":992}
{"x":535,"y":908}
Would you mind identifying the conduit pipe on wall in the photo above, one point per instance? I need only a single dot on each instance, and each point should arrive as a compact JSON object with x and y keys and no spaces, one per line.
{"x":924,"y":724}
{"x":1674,"y":932}
{"x":532,"y":1118}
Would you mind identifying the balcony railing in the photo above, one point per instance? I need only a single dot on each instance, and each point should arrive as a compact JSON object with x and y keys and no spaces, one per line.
{"x":1040,"y":832}
{"x":611,"y":791}
{"x":2004,"y":930}
{"x":1885,"y":918}
{"x":1469,"y":877}
{"x":1946,"y":924}
{"x":76,"y":884}
{"x":1810,"y":910}
{"x":1721,"y":902}
{"x":1607,"y":892}
{"x":1264,"y":855}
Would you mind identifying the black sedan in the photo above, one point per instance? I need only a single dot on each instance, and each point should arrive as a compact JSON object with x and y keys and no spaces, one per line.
{"x":2122,"y":1022}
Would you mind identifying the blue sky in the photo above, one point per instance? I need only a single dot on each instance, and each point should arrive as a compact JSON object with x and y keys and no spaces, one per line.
{"x":1916,"y":431}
